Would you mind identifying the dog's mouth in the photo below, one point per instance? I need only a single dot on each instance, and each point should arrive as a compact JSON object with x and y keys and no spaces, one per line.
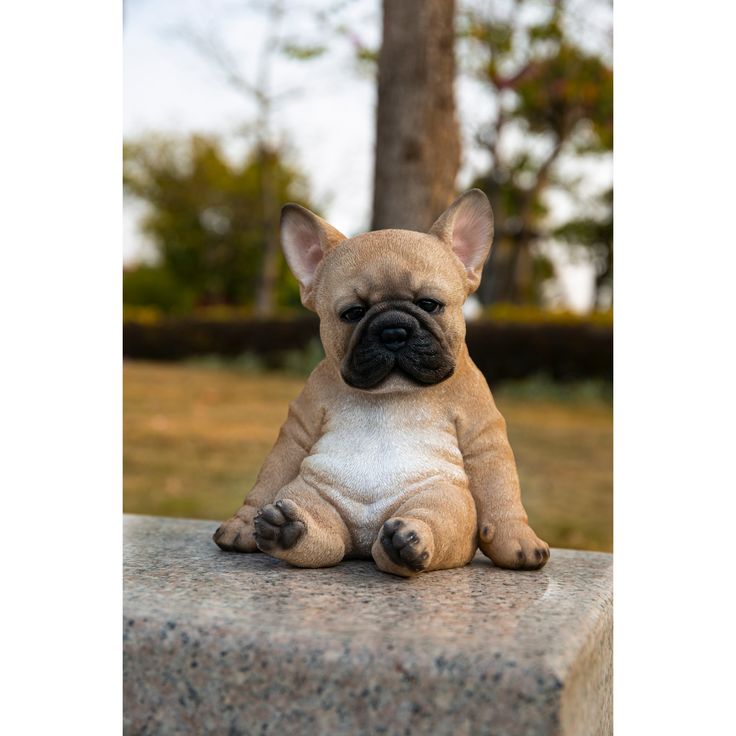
{"x":397,"y":338}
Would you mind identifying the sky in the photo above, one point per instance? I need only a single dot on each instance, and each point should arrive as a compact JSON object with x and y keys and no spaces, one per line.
{"x":324,"y":108}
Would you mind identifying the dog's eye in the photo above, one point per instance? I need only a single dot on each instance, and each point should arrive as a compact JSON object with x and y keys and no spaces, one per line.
{"x":353,"y":314}
{"x":429,"y":305}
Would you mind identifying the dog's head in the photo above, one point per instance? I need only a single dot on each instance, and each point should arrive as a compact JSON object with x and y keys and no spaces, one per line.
{"x":390,"y":301}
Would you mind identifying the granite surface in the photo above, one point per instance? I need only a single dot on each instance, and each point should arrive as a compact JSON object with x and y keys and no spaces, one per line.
{"x":224,"y":643}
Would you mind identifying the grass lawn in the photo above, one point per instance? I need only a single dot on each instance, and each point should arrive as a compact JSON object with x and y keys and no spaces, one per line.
{"x":196,"y":435}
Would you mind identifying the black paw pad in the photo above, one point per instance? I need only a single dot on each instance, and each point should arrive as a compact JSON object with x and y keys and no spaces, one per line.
{"x":403,"y":545}
{"x":537,"y":559}
{"x":277,"y":526}
{"x":541,"y":555}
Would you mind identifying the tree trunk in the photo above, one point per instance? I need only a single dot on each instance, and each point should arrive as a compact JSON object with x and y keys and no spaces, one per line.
{"x":265,"y":302}
{"x":417,"y":137}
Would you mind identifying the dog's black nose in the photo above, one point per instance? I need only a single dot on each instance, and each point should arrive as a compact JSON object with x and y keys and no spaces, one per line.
{"x":394,"y":338}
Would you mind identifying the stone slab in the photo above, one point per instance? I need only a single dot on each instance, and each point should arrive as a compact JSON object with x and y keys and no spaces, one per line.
{"x":218,"y":643}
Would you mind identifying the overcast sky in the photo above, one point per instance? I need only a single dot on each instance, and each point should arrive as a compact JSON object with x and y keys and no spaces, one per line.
{"x":325,"y":116}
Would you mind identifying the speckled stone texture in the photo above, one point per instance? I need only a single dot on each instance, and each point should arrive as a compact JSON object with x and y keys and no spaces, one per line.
{"x":218,"y":643}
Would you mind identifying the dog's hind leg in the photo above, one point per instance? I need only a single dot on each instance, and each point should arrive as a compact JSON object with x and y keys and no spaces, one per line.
{"x":302,"y":528}
{"x":435,"y":529}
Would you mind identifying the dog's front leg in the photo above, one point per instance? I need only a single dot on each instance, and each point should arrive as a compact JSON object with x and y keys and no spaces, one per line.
{"x":297,"y":436}
{"x":503,"y":529}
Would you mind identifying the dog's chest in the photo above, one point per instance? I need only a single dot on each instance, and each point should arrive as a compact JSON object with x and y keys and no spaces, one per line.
{"x":376,"y":450}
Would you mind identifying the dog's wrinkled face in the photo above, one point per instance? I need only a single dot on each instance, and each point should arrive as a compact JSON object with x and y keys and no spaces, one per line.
{"x":390,"y":306}
{"x":390,"y":301}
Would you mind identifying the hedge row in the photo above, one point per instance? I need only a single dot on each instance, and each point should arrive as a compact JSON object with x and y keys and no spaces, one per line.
{"x":564,"y":352}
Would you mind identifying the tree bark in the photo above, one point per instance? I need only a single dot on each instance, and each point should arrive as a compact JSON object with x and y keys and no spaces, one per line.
{"x":265,"y":302}
{"x":417,"y":136}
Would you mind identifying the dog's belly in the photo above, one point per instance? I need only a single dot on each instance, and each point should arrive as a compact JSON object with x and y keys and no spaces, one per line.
{"x":374,"y":454}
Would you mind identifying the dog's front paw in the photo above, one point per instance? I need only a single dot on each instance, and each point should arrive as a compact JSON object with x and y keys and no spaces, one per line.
{"x":237,"y":533}
{"x":513,"y":545}
{"x":278,"y":526}
{"x":407,"y":543}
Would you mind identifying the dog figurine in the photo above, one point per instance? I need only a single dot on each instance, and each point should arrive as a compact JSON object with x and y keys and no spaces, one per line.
{"x":395,"y":449}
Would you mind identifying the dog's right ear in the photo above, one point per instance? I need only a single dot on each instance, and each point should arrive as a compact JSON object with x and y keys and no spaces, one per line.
{"x":306,"y":238}
{"x":466,"y":226}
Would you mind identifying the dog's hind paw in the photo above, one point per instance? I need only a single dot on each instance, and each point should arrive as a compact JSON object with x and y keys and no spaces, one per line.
{"x":405,"y":543}
{"x":278,"y":526}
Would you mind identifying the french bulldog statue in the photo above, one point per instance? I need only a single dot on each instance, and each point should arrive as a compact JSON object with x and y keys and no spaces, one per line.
{"x":395,"y":449}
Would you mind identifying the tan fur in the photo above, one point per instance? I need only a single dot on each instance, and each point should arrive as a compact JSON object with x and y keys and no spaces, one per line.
{"x":402,"y":466}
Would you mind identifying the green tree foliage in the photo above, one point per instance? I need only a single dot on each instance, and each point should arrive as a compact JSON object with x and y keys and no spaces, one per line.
{"x":205,"y":220}
{"x":595,"y":233}
{"x":147,"y":285}
{"x":554,"y":105}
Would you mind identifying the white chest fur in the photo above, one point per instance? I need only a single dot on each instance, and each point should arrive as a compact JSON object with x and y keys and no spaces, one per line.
{"x":377,"y":450}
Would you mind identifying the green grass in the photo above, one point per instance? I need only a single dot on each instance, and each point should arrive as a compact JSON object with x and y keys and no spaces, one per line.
{"x":196,"y":434}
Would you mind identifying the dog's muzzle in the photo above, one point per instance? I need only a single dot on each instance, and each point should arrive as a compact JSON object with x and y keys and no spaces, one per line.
{"x":397,"y":336}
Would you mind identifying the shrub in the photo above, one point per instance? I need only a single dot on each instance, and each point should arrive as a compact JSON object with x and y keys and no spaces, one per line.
{"x":502,"y":350}
{"x":155,"y":288}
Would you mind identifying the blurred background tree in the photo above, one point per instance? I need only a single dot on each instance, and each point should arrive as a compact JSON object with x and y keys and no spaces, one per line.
{"x":554,"y":106}
{"x":595,"y":234}
{"x":551,"y":117}
{"x":256,"y":87}
{"x":205,"y":220}
{"x":417,"y":137}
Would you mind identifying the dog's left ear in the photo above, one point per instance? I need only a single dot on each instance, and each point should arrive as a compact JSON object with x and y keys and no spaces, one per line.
{"x":306,"y":238}
{"x":467,"y":227}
